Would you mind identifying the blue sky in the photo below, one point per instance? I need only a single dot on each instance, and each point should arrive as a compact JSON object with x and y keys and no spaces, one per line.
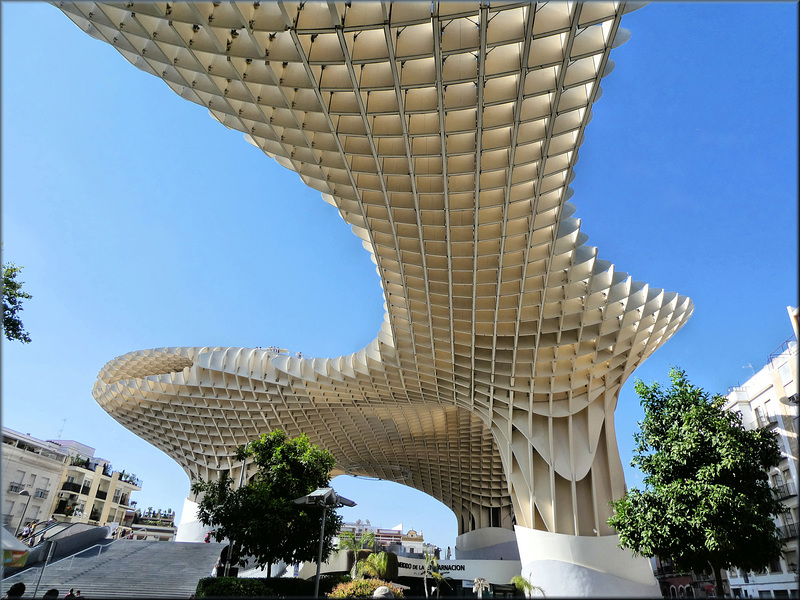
{"x":141,"y":223}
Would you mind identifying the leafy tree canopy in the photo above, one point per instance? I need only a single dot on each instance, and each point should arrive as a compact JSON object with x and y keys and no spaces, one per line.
{"x":260,"y":518}
{"x":707,"y":499}
{"x":13,"y":295}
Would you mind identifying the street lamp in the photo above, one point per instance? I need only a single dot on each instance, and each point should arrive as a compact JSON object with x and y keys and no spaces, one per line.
{"x":227,"y":569}
{"x":326,"y":498}
{"x":22,"y":518}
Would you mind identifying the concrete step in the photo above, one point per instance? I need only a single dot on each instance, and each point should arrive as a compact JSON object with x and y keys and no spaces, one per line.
{"x":125,"y":569}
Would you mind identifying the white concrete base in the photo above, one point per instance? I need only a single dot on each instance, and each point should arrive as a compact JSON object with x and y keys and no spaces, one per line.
{"x":190,"y":529}
{"x":582,"y":566}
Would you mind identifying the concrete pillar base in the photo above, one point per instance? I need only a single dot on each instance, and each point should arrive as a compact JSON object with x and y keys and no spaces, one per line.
{"x":190,"y":529}
{"x":583,"y":566}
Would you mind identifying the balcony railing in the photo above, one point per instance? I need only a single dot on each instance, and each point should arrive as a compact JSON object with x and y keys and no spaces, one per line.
{"x":785,"y":490}
{"x":71,"y":486}
{"x":788,"y":532}
{"x":40,"y":493}
{"x":766,"y":420}
{"x":14,"y":487}
{"x":101,"y":495}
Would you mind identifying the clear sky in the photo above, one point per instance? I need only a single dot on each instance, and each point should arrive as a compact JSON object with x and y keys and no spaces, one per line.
{"x":141,"y":223}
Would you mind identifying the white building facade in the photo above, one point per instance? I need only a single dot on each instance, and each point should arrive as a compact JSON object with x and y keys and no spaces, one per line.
{"x":769,"y":399}
{"x":64,"y":479}
{"x":32,"y":472}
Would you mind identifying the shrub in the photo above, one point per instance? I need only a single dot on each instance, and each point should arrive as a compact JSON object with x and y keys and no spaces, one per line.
{"x":363,"y":588}
{"x":288,"y":587}
{"x":330,"y":581}
{"x":212,"y":587}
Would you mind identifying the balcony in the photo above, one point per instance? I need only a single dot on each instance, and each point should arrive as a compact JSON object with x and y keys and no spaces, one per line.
{"x":14,"y":487}
{"x":40,"y":493}
{"x":786,"y":490}
{"x":788,"y":532}
{"x":71,"y":486}
{"x":101,"y":495}
{"x":766,"y":420}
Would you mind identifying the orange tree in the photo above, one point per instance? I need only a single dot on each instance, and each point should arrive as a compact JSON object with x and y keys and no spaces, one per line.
{"x":260,"y":518}
{"x":706,"y":500}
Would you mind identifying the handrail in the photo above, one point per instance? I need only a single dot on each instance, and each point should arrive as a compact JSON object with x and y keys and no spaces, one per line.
{"x":41,"y":532}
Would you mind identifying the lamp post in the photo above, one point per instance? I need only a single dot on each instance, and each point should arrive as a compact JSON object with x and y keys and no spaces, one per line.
{"x":326,"y":498}
{"x":22,"y":518}
{"x":227,"y":570}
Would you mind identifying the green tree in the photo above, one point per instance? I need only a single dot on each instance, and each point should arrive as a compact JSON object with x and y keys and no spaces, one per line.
{"x":525,"y":586}
{"x":431,"y":570}
{"x":13,"y":295}
{"x":349,"y":542}
{"x":707,"y":500}
{"x":374,"y":565}
{"x":259,"y":517}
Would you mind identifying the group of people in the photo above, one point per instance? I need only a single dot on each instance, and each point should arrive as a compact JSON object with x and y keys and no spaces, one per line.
{"x":18,"y":591}
{"x":28,"y":533}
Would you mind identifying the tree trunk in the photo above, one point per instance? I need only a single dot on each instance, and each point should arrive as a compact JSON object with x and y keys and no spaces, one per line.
{"x":269,"y":570}
{"x":718,"y":579}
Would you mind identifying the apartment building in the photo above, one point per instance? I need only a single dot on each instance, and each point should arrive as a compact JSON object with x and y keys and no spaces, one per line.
{"x":62,"y":478}
{"x":32,"y":472}
{"x":769,"y":399}
{"x":410,"y":544}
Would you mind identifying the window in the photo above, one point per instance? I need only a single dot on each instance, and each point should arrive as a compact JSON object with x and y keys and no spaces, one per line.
{"x":785,"y":372}
{"x":775,"y":566}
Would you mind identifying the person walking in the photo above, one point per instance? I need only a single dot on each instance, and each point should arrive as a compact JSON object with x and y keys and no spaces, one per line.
{"x":16,"y":590}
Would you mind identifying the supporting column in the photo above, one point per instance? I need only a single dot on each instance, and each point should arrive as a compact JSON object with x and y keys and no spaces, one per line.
{"x":583,"y":566}
{"x":190,"y":529}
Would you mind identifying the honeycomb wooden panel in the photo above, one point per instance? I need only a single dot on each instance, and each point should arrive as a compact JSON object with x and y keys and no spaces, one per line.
{"x":446,"y":134}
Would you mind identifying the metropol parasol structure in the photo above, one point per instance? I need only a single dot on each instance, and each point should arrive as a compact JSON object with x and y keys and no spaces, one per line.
{"x":445,"y":134}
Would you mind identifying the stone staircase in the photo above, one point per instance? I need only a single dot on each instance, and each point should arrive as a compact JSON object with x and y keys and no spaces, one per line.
{"x":125,"y":569}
